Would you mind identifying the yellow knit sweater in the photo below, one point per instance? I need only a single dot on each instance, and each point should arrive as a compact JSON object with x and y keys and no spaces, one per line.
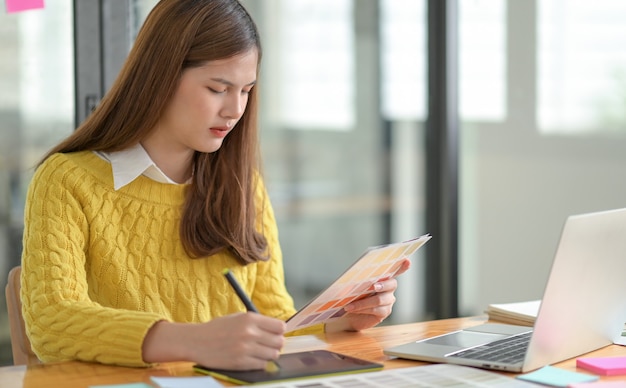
{"x":100,"y":266}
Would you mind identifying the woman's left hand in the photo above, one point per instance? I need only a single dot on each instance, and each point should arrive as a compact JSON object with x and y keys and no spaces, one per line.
{"x":372,"y":310}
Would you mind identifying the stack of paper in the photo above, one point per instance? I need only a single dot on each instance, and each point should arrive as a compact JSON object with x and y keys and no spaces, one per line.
{"x":524,"y":314}
{"x":520,"y":313}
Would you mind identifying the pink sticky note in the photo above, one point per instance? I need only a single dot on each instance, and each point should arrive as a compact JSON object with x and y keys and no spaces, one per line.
{"x":22,"y":5}
{"x":604,"y":365}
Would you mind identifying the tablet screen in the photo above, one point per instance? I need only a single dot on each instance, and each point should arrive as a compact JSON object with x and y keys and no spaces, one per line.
{"x":296,"y":366}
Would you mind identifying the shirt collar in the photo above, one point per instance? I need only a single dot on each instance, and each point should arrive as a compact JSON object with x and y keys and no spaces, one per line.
{"x":129,"y":164}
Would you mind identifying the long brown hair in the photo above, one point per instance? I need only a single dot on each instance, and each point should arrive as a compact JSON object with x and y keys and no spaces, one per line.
{"x":219,"y":211}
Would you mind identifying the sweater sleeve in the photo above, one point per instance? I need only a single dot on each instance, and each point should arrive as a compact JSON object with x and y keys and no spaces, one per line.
{"x":62,"y":322}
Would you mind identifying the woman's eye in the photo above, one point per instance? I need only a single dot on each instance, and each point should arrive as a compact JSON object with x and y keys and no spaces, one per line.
{"x":217,"y":91}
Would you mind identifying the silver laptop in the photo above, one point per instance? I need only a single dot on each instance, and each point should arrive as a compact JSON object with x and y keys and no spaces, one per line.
{"x":583,"y":306}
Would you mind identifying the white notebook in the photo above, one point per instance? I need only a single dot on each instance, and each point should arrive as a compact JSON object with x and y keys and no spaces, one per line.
{"x":518,"y":313}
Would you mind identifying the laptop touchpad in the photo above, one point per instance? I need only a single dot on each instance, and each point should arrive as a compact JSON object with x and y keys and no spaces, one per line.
{"x":463,"y":339}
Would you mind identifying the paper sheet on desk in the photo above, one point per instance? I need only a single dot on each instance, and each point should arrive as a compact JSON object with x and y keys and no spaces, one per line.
{"x":186,"y":382}
{"x":303,"y":343}
{"x":436,"y":375}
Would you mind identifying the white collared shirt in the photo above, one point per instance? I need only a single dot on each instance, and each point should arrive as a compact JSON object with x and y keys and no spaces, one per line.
{"x":129,"y":164}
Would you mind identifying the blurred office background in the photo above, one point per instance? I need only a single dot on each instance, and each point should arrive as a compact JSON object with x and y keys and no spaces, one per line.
{"x":483,"y":122}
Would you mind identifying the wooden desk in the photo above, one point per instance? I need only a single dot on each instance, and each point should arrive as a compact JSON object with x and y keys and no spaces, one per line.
{"x":368,"y":344}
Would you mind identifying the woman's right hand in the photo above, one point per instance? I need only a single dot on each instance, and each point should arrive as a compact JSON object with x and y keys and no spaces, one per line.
{"x":238,"y":342}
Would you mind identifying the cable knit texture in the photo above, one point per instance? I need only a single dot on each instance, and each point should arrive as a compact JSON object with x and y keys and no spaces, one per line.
{"x":100,"y":266}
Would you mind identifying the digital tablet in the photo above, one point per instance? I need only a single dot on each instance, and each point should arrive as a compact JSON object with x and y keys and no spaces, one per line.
{"x":293,"y":366}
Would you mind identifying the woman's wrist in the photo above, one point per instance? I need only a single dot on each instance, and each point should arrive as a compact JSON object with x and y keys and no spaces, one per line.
{"x":165,"y":342}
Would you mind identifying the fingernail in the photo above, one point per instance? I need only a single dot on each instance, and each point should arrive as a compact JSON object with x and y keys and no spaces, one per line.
{"x":378,"y":287}
{"x":272,"y":367}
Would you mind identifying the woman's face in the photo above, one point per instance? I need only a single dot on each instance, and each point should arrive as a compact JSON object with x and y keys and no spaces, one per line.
{"x":208,"y":103}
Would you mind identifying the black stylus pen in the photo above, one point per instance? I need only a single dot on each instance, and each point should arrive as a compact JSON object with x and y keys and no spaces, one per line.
{"x":239,"y":291}
{"x":271,"y":366}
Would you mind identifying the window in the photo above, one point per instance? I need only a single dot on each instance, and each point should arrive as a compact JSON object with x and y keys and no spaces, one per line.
{"x":316,"y":62}
{"x":581,"y":67}
{"x":36,"y":111}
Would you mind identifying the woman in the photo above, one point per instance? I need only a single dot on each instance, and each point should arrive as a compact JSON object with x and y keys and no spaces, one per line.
{"x":130,"y":221}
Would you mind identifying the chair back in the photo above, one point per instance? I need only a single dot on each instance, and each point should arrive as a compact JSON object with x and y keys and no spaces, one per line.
{"x":20,"y":344}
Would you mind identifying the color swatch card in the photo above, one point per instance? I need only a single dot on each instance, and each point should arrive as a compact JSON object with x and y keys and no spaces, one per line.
{"x":357,"y":282}
{"x":606,"y":366}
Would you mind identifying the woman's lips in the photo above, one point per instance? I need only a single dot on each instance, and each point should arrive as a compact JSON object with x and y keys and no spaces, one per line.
{"x":219,"y":131}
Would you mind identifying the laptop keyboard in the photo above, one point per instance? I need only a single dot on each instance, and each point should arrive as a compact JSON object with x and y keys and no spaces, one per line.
{"x":507,"y":350}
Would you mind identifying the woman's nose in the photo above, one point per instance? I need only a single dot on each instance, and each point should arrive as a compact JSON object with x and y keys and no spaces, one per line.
{"x":234,"y":105}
